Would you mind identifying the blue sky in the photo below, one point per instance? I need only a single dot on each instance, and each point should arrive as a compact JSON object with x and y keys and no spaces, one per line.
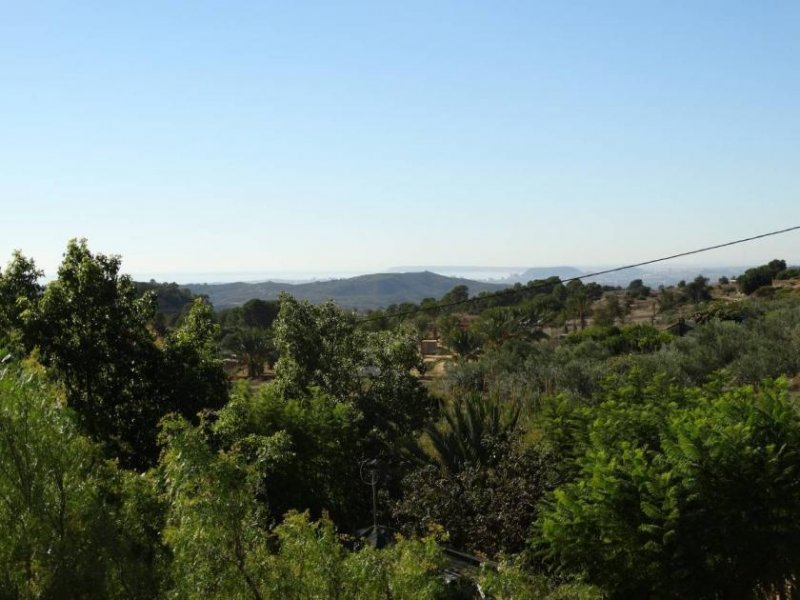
{"x":272,"y":136}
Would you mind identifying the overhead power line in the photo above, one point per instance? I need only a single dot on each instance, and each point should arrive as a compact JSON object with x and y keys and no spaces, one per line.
{"x":527,"y":288}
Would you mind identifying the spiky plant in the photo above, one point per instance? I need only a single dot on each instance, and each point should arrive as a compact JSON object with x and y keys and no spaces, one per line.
{"x":474,"y":430}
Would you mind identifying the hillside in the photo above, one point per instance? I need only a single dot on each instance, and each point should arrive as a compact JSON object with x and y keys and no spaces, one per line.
{"x":365,"y":292}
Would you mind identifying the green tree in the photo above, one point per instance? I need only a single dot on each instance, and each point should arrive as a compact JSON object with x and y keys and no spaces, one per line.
{"x":464,"y":343}
{"x":260,"y":313}
{"x":681,"y":493}
{"x":473,"y":479}
{"x":189,"y":376}
{"x":578,"y":302}
{"x":497,"y":325}
{"x":222,"y":548}
{"x":73,"y":525}
{"x":698,"y":290}
{"x":753,"y":279}
{"x":213,"y":526}
{"x":473,"y":428}
{"x":610,"y":311}
{"x":254,"y":348}
{"x":19,"y":292}
{"x":91,"y":328}
{"x":320,"y":346}
{"x":92,"y":331}
{"x":317,"y":346}
{"x":637,"y":289}
{"x":459,"y":293}
{"x":322,"y":443}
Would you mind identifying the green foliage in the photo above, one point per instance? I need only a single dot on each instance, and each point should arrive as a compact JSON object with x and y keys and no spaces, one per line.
{"x":474,"y":429}
{"x":312,"y":564}
{"x":474,"y":480}
{"x":610,"y":311}
{"x":254,"y":348}
{"x":464,"y":343}
{"x":212,"y":527}
{"x":670,"y":298}
{"x":190,"y":377}
{"x":91,"y":330}
{"x":172,"y":301}
{"x":484,"y":508}
{"x":636,"y":482}
{"x":320,"y":346}
{"x":459,"y":293}
{"x":698,"y":290}
{"x":766,"y":344}
{"x":497,"y":325}
{"x":683,"y":493}
{"x":317,"y":469}
{"x":579,"y":302}
{"x":260,"y":314}
{"x":637,"y":289}
{"x":695,"y":292}
{"x":788,"y":273}
{"x":19,"y":291}
{"x":73,"y":525}
{"x":317,"y":346}
{"x":222,"y":548}
{"x":636,"y":338}
{"x":512,"y":581}
{"x":752,"y":279}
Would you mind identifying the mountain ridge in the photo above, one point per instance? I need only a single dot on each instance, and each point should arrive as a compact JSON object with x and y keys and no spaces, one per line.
{"x":376,"y":290}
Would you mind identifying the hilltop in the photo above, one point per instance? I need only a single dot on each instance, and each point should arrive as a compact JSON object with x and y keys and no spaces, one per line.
{"x":364,"y":292}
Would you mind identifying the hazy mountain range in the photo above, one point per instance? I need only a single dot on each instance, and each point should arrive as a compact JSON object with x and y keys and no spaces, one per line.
{"x":382,"y":289}
{"x":365,"y":291}
{"x":655,"y":275}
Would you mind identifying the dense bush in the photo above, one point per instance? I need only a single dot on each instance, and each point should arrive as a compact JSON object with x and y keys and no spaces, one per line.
{"x":752,"y":279}
{"x":681,"y":493}
{"x":73,"y":525}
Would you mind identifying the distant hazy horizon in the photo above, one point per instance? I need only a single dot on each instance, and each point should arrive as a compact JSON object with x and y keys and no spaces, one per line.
{"x":495,"y":273}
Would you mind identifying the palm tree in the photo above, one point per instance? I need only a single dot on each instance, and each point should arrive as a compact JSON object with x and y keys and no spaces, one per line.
{"x":579,"y":305}
{"x":464,"y":343}
{"x":473,"y":431}
{"x":499,"y":325}
{"x":253,"y":346}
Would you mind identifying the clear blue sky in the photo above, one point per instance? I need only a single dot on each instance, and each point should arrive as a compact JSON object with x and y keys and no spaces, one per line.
{"x":267,"y":136}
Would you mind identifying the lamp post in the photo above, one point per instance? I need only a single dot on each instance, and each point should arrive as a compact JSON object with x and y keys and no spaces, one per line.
{"x":372,"y":468}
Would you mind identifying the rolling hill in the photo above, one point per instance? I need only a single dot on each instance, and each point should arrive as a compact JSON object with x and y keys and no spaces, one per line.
{"x":364,"y":292}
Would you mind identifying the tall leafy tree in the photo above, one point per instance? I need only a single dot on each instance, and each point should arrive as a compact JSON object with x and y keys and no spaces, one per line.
{"x":92,"y":331}
{"x":91,"y":328}
{"x":19,"y":291}
{"x":260,"y":313}
{"x":190,"y":376}
{"x":254,"y":348}
{"x":578,"y":302}
{"x":322,"y":347}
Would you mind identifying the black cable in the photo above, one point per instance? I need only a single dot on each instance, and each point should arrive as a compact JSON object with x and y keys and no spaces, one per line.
{"x":511,"y":291}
